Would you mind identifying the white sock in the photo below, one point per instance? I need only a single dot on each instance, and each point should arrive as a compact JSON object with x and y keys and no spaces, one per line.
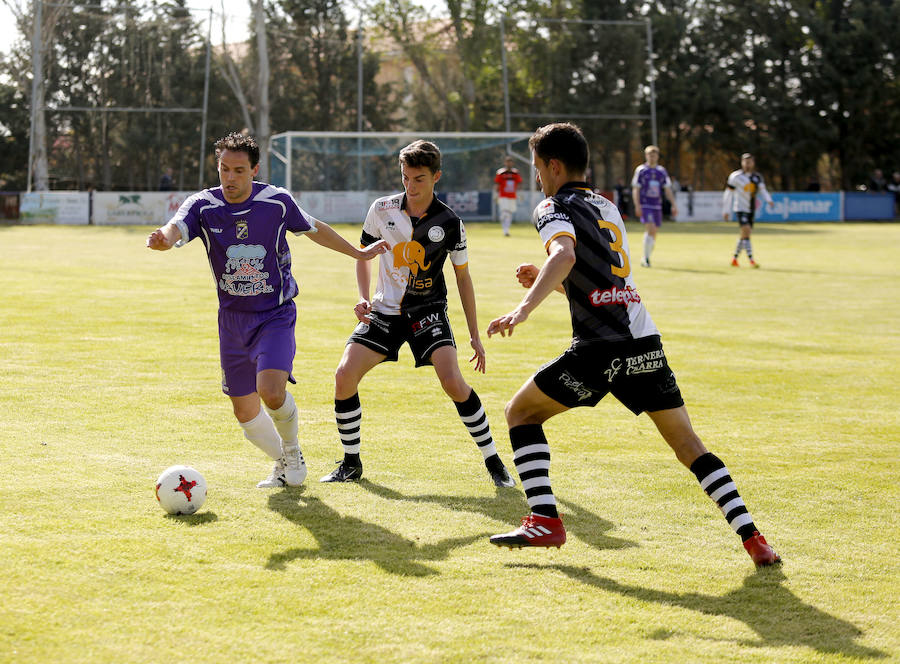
{"x":286,"y":419}
{"x":506,"y":221}
{"x":649,"y":242}
{"x":261,"y":432}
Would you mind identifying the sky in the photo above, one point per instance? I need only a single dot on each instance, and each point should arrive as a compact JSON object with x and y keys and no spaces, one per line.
{"x":238,"y":12}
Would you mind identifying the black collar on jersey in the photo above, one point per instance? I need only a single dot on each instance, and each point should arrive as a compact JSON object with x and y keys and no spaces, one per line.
{"x":432,"y":210}
{"x":575,"y":185}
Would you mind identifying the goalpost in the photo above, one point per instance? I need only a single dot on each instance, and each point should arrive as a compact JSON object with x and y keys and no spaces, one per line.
{"x":337,"y":175}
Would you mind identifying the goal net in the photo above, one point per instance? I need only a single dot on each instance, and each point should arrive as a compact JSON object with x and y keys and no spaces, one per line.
{"x":335,"y":176}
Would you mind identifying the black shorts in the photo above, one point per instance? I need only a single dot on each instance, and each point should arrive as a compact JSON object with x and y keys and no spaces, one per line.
{"x":425,"y":329}
{"x":635,"y":371}
{"x":744,"y":218}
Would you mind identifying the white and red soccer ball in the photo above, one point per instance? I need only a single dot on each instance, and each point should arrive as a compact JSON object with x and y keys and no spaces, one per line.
{"x":181,"y":490}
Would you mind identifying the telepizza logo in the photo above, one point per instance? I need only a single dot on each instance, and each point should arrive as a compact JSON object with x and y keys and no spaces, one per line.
{"x":603,"y":298}
{"x":412,"y":255}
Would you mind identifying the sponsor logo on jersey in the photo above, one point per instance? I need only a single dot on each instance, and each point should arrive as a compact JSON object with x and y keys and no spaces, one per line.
{"x":435,"y":233}
{"x":648,"y":362}
{"x":410,"y":254}
{"x":545,"y":219}
{"x":244,"y":275}
{"x":390,"y":204}
{"x":613,"y":295}
{"x":241,"y":230}
{"x":575,"y":385}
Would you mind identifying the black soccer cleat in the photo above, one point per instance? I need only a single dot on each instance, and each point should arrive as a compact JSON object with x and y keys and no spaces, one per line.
{"x":344,"y":473}
{"x":501,"y":476}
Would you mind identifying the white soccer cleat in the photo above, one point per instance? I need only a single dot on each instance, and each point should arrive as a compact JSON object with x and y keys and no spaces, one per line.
{"x":275,"y":479}
{"x":294,"y":465}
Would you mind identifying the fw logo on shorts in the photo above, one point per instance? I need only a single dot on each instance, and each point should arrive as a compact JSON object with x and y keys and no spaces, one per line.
{"x":614,"y":367}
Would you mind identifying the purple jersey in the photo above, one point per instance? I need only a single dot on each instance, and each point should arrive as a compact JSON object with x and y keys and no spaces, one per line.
{"x":246,"y":243}
{"x":652,"y":182}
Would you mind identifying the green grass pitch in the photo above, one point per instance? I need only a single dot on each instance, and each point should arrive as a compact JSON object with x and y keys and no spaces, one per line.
{"x":109,"y":373}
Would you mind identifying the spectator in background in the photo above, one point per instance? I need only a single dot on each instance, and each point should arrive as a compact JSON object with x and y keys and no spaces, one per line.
{"x":166,"y":183}
{"x":812,"y":184}
{"x":877,"y":183}
{"x":507,"y":180}
{"x":894,"y":186}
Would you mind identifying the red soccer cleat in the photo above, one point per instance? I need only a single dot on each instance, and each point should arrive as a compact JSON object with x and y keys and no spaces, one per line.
{"x":734,"y":262}
{"x":536,"y":530}
{"x":759,"y":550}
{"x":753,"y":263}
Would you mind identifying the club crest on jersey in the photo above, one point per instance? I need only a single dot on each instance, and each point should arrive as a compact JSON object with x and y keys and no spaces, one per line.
{"x":410,"y":254}
{"x":241,"y":230}
{"x":435,"y":233}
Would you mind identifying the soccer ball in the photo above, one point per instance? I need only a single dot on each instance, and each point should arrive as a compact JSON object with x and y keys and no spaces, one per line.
{"x":181,"y":490}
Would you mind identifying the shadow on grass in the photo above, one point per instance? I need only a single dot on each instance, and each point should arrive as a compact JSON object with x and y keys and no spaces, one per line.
{"x":778,"y":616}
{"x":350,"y":538}
{"x":509,"y":505}
{"x":198,"y":519}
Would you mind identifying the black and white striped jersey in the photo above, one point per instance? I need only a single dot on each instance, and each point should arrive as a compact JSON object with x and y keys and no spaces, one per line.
{"x":603,"y":301}
{"x":742,"y":190}
{"x":412,"y":273}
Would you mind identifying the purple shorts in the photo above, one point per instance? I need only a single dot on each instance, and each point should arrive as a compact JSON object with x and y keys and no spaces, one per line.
{"x":651,"y":216}
{"x":250,"y":342}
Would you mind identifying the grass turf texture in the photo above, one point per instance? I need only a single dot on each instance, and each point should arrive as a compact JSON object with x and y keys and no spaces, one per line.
{"x":110,"y":374}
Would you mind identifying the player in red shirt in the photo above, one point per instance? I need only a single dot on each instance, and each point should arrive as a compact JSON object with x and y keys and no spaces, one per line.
{"x":507,"y":180}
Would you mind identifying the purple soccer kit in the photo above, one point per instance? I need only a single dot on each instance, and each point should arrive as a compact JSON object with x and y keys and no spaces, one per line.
{"x":251,"y":262}
{"x":651,"y":181}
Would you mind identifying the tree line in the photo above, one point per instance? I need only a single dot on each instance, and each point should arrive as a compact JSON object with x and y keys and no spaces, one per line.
{"x":809,"y":87}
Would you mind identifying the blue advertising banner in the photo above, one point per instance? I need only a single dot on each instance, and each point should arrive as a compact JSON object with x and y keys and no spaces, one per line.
{"x":860,"y":205}
{"x":801,"y":206}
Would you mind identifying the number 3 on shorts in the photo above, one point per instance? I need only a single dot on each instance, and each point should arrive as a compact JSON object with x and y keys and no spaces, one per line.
{"x":616,"y":245}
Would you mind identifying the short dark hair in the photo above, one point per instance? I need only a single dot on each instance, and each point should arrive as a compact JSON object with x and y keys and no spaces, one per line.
{"x":239,"y":142}
{"x":422,"y":154}
{"x":563,"y":141}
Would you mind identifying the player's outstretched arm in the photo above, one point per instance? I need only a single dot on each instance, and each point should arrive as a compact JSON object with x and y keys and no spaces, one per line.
{"x":164,"y":238}
{"x":550,"y":277}
{"x":467,"y":297}
{"x":329,"y":238}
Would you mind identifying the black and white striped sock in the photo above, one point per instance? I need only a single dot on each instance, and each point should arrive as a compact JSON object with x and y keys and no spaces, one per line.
{"x":531,"y":454}
{"x":474,"y":418}
{"x":348,"y":415}
{"x":716,"y":481}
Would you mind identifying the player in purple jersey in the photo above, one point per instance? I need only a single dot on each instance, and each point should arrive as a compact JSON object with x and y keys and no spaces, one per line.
{"x":616,"y":347}
{"x":649,"y":184}
{"x":243,"y":225}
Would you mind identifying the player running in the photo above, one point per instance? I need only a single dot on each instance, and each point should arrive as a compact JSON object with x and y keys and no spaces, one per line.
{"x":740,"y":194}
{"x":243,"y":224}
{"x":507,"y":180}
{"x":410,"y":306}
{"x":650,"y":182}
{"x":616,"y":347}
